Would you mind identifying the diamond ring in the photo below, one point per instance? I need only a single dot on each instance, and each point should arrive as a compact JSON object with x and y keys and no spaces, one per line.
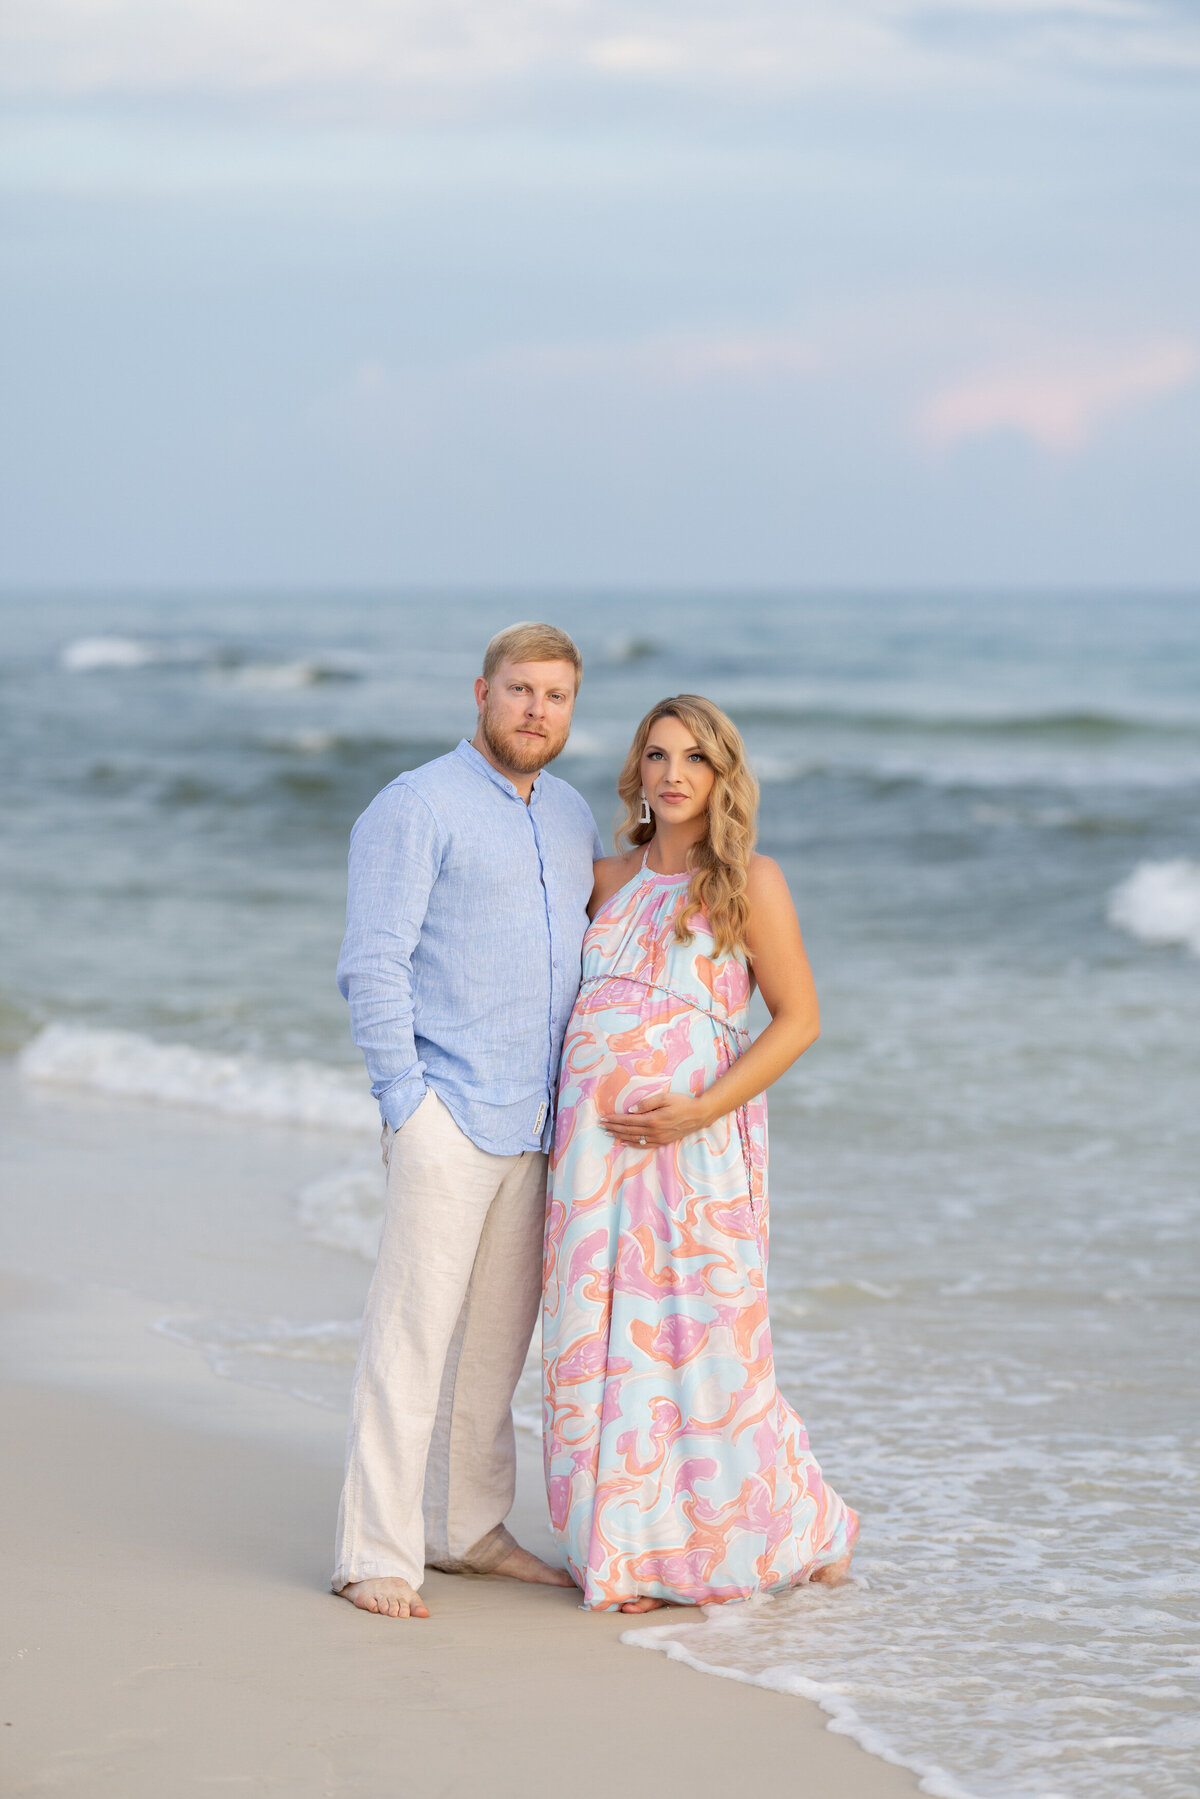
{"x":642,"y":1141}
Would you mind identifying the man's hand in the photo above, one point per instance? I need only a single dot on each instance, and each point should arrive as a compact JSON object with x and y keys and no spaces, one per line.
{"x":660,"y":1118}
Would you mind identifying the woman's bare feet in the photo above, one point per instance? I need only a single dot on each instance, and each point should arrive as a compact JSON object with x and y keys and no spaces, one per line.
{"x":644,"y":1604}
{"x":833,"y":1573}
{"x":390,"y":1597}
{"x":521,"y":1564}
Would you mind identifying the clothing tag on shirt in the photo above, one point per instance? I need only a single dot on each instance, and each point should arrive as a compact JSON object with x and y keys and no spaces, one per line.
{"x":540,"y":1120}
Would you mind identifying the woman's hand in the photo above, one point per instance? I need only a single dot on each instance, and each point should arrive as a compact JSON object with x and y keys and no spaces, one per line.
{"x":660,"y":1118}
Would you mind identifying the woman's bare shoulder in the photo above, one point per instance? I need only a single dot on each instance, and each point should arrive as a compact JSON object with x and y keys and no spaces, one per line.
{"x":764,"y":877}
{"x":610,"y":874}
{"x":769,"y":896}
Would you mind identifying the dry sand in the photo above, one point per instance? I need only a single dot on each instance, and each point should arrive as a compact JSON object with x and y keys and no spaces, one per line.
{"x":166,"y":1627}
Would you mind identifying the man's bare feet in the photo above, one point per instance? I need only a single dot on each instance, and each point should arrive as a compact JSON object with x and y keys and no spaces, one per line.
{"x":644,"y":1604}
{"x":390,"y":1597}
{"x":833,"y":1573}
{"x":520,"y":1564}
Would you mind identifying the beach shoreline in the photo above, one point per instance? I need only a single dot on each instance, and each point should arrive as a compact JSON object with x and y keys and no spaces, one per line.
{"x":167,"y":1535}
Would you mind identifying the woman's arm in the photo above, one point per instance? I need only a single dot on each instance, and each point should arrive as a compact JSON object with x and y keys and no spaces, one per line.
{"x":786,"y":984}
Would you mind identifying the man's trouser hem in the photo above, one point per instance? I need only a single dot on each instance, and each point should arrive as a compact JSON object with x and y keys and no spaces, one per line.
{"x":369,"y":1571}
{"x":482,"y":1557}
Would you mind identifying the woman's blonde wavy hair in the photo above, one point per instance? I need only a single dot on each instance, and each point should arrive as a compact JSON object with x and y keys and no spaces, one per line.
{"x":720,"y":862}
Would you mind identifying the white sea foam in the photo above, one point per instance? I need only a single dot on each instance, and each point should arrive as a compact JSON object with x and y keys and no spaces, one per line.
{"x":844,"y":1719}
{"x":629,"y":648}
{"x":1159,"y":904}
{"x":136,"y":1067}
{"x":333,"y":1340}
{"x":113,"y":652}
{"x":302,"y":743}
{"x":312,"y":1362}
{"x":344,"y":1210}
{"x":283,"y":677}
{"x":88,"y":654}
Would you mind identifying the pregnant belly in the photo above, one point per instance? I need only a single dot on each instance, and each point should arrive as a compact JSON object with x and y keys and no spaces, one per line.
{"x":615,"y":1060}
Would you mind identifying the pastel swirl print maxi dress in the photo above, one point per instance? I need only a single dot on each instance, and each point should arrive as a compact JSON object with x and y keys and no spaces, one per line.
{"x":674,"y":1467}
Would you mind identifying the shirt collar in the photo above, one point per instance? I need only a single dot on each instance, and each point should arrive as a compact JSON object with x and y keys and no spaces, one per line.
{"x":472,"y":757}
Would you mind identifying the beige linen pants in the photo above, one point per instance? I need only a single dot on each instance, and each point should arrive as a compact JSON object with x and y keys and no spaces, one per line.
{"x":430,"y":1455}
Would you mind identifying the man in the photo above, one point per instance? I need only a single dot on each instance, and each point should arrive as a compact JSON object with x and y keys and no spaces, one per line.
{"x":469,"y":882}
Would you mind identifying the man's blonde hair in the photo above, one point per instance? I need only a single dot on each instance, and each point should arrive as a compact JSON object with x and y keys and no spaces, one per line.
{"x":531,"y":643}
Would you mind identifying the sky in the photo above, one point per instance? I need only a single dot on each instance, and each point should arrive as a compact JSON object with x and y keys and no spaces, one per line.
{"x":501,"y":292}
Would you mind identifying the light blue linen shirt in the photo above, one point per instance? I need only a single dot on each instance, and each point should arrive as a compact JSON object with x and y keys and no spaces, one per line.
{"x":464,"y":927}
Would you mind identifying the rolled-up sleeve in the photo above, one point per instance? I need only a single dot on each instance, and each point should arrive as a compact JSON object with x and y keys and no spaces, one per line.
{"x":395,"y":854}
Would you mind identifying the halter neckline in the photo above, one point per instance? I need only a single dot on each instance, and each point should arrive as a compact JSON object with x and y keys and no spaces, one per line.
{"x":654,"y":874}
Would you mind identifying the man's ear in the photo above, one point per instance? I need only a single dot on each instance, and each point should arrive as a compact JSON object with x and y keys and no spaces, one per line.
{"x":481,"y":692}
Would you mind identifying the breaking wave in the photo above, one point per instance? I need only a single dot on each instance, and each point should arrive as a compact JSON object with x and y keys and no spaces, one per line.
{"x":135,"y":1067}
{"x":92,"y":655}
{"x":1159,"y":904}
{"x":113,"y":653}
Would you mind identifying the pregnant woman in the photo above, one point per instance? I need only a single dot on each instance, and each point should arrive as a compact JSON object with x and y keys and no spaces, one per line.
{"x":676,"y":1471}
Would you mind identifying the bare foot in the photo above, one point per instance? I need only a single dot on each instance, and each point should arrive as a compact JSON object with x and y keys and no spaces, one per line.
{"x":644,"y":1604}
{"x":390,"y":1597}
{"x":520,"y":1564}
{"x":833,"y":1573}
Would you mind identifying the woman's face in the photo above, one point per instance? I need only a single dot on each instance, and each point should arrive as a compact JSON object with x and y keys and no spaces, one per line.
{"x":677,"y":776}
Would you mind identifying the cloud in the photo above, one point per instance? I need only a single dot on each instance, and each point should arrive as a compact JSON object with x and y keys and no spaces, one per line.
{"x":426,"y":54}
{"x":1060,"y":404}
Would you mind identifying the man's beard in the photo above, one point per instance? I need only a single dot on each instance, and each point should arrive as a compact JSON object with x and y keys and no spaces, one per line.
{"x":523,"y":755}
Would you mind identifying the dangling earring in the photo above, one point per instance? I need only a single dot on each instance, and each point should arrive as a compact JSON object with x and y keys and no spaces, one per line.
{"x":645,"y":816}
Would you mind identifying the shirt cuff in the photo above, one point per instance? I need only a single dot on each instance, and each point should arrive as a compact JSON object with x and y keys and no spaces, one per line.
{"x":399,"y":1099}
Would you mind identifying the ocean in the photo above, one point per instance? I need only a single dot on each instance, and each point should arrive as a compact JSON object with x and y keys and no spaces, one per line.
{"x":985,"y":1177}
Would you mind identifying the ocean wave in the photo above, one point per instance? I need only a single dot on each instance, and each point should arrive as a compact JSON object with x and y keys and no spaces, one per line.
{"x":93,"y":655}
{"x":344,"y":1210}
{"x":312,"y":742}
{"x":287,"y":676}
{"x":309,"y":1362}
{"x":987,"y":770}
{"x":136,"y":1067}
{"x":618,"y":652}
{"x":844,"y":1720}
{"x":332,"y":1341}
{"x":1079,"y":727}
{"x":355,"y":750}
{"x":113,"y":653}
{"x":1159,"y":904}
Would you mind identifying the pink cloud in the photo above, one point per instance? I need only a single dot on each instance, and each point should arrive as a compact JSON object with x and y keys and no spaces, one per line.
{"x":1057,"y":405}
